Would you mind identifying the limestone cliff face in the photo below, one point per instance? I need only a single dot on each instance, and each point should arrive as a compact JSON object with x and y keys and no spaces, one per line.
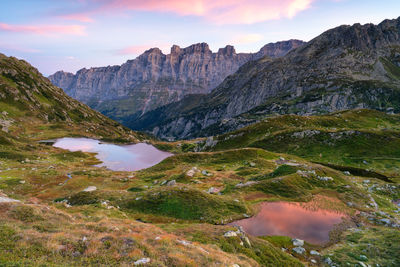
{"x":344,"y":68}
{"x":154,"y":79}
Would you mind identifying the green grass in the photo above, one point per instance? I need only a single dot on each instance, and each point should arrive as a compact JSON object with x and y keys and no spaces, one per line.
{"x":185,"y":204}
{"x":261,"y":250}
{"x":282,"y":170}
{"x":347,"y":138}
{"x":380,"y":246}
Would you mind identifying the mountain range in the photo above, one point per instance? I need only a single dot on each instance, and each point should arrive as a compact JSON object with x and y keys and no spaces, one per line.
{"x":154,"y":79}
{"x":332,"y":181}
{"x":346,"y":67}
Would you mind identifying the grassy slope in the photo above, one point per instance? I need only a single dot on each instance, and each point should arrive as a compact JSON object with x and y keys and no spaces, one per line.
{"x":360,"y":138}
{"x":56,"y":224}
{"x":41,"y":231}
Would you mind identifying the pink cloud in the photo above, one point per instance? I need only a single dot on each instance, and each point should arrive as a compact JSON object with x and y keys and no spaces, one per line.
{"x":77,"y":17}
{"x":219,"y":12}
{"x":44,"y":29}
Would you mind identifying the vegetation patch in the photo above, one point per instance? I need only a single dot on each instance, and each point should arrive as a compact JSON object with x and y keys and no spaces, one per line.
{"x":376,"y":246}
{"x":83,"y":198}
{"x":185,"y":204}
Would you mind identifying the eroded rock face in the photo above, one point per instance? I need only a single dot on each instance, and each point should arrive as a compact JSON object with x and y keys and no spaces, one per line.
{"x":154,"y":79}
{"x":344,"y":68}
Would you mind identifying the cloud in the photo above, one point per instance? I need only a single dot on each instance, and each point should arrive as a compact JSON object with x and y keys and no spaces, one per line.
{"x":44,"y":29}
{"x":77,"y":17}
{"x":248,"y":38}
{"x":219,"y":12}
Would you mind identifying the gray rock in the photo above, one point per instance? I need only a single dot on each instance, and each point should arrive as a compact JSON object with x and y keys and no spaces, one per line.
{"x":363,"y":258}
{"x":328,"y":261}
{"x":297,"y":242}
{"x":230,"y":234}
{"x":299,"y":250}
{"x":249,"y":183}
{"x":90,"y":189}
{"x":171,"y":183}
{"x":142,"y":261}
{"x":385,"y":221}
{"x":314,"y":252}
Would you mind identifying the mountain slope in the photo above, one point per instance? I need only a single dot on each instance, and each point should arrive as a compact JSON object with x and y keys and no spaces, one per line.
{"x":357,"y":138}
{"x":154,"y":79}
{"x":57,"y":208}
{"x":344,"y":68}
{"x":32,"y":107}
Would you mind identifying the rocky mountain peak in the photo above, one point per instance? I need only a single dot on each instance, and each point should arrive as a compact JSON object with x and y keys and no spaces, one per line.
{"x":154,"y":50}
{"x":346,"y":67}
{"x":154,"y":79}
{"x":228,"y":50}
{"x":175,"y":50}
{"x":202,"y":48}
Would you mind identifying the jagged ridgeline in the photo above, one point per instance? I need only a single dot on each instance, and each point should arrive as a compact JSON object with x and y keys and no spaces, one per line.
{"x":154,"y":79}
{"x":344,"y":68}
{"x":31,"y":107}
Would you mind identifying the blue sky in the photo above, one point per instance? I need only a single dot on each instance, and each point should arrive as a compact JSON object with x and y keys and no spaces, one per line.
{"x":72,"y":34}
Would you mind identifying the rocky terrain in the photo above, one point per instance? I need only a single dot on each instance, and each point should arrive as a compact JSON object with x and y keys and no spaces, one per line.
{"x":58,"y":209}
{"x":346,"y":67}
{"x":154,"y":79}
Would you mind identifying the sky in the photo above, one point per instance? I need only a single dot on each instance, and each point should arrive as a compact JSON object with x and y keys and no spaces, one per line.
{"x":69,"y":35}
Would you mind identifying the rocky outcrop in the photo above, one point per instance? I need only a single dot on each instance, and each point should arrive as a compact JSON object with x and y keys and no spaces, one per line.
{"x":344,"y":68}
{"x":154,"y":79}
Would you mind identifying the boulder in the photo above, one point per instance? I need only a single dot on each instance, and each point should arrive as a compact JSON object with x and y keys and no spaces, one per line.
{"x":314,"y":252}
{"x":142,"y":261}
{"x":90,"y":189}
{"x":171,"y":183}
{"x":299,"y":250}
{"x":230,"y":234}
{"x":298,"y":242}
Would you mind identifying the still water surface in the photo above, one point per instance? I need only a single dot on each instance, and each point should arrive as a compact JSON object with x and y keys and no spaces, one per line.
{"x":297,"y":220}
{"x":116,"y":157}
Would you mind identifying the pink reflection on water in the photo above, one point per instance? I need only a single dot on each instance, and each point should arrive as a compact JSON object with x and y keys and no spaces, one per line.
{"x":116,"y":157}
{"x":292,"y":219}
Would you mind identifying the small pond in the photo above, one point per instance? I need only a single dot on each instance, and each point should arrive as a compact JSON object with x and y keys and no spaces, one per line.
{"x":116,"y":157}
{"x":297,"y":220}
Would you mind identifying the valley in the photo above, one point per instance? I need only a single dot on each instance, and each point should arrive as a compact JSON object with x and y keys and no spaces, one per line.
{"x":60,"y":207}
{"x":289,"y":156}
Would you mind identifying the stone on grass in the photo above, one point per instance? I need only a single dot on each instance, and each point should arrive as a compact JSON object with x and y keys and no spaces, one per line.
{"x":325,"y":179}
{"x":7,"y":200}
{"x":299,"y":250}
{"x":213,"y":190}
{"x":230,"y":234}
{"x":142,"y":261}
{"x":385,"y":221}
{"x":314,"y":252}
{"x":297,"y":242}
{"x":363,"y":258}
{"x":90,"y":189}
{"x":171,"y":183}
